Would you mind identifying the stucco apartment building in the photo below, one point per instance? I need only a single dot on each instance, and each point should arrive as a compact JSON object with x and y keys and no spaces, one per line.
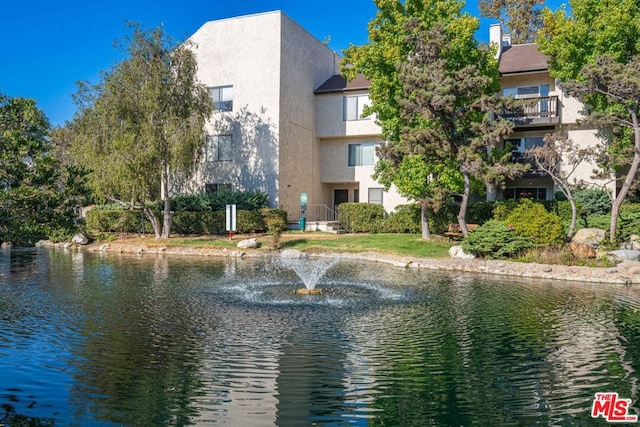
{"x":287,"y":123}
{"x":524,"y":73}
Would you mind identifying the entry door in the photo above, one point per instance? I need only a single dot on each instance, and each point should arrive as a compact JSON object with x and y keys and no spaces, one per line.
{"x":339,"y":197}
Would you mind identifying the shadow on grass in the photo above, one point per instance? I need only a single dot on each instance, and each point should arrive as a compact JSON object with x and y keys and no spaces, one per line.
{"x":295,"y":242}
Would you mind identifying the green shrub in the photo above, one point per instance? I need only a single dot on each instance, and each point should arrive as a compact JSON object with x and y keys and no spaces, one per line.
{"x":494,"y":239}
{"x":119,"y":221}
{"x":531,"y":219}
{"x":361,"y":217}
{"x":502,"y":208}
{"x":447,"y":214}
{"x":406,"y":219}
{"x":244,"y":200}
{"x":594,"y":201}
{"x":628,"y":221}
{"x":60,"y":234}
{"x":275,"y":222}
{"x":480,"y":212}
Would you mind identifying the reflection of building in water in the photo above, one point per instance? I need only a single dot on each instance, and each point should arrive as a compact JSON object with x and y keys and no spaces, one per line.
{"x":580,"y":342}
{"x":310,"y":384}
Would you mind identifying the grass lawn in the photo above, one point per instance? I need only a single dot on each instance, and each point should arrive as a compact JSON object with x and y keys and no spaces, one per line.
{"x":395,"y":244}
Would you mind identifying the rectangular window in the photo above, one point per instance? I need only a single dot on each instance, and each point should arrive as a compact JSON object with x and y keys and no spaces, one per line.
{"x":520,"y":145}
{"x":539,"y":193}
{"x":540,"y":109}
{"x":222,"y":98}
{"x":375,"y":195}
{"x":354,"y":107}
{"x":533,"y":91}
{"x":534,"y":142}
{"x":362,"y":154}
{"x":217,"y":188}
{"x":356,"y":196}
{"x":219,"y":148}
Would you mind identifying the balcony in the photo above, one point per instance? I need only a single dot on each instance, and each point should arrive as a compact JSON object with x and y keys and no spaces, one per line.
{"x":541,"y":110}
{"x":534,"y":171}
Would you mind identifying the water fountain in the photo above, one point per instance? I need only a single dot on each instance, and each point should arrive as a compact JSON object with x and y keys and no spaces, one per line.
{"x":310,"y":272}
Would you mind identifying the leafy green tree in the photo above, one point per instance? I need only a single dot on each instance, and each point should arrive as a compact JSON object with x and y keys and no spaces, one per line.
{"x":388,"y":46}
{"x":449,"y":86}
{"x":521,"y":18}
{"x":595,"y":52}
{"x":418,"y":179}
{"x":432,"y":89}
{"x":37,"y":194}
{"x":143,"y":123}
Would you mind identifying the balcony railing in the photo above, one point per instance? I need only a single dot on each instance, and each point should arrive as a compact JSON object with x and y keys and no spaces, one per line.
{"x":313,"y":213}
{"x":522,"y":158}
{"x":535,"y":110}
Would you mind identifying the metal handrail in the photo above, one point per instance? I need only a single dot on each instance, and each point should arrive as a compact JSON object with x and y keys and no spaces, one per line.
{"x":316,"y":212}
{"x":540,"y":107}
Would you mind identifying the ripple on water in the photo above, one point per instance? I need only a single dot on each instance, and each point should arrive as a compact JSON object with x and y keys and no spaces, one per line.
{"x":153,"y":340}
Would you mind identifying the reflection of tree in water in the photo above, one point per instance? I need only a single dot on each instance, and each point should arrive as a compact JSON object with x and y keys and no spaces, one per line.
{"x":485,"y":352}
{"x":140,"y":363}
{"x":255,"y":155}
{"x":9,"y":417}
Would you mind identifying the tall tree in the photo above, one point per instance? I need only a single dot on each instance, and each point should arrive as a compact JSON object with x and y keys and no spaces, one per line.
{"x":143,"y":123}
{"x":595,"y":52}
{"x":37,"y":194}
{"x":521,"y":18}
{"x":449,"y":86}
{"x":395,"y":92}
{"x":388,"y":46}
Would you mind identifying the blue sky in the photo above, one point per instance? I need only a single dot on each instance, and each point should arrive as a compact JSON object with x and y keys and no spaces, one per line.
{"x":49,"y":45}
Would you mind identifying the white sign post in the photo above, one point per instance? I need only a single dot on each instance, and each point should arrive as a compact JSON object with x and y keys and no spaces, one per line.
{"x":231,"y":220}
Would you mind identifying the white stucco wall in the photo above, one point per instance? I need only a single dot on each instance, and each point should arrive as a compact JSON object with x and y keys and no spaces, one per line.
{"x":243,"y":52}
{"x":586,"y":138}
{"x":330,"y":121}
{"x":306,"y":63}
{"x":336,"y":173}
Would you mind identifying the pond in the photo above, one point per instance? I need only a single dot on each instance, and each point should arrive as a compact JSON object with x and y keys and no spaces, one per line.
{"x":104,"y":340}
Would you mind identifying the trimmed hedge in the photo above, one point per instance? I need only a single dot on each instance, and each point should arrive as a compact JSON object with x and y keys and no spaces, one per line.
{"x":406,"y":219}
{"x":361,"y":217}
{"x":117,"y":220}
{"x":244,"y":200}
{"x":208,"y":222}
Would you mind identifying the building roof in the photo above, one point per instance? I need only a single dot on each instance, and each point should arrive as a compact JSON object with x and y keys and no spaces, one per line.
{"x":337,"y":83}
{"x":522,"y":58}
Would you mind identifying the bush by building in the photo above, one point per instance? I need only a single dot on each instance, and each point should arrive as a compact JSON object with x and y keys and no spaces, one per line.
{"x":494,"y":239}
{"x":531,"y":219}
{"x":361,"y":217}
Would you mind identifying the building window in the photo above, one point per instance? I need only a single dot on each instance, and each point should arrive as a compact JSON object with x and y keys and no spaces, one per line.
{"x":534,"y":91}
{"x":354,"y":107}
{"x":222,"y":98}
{"x":356,"y":195}
{"x":219,"y":148}
{"x":362,"y":154}
{"x":217,"y":188}
{"x":522,"y":145}
{"x":375,"y":195}
{"x":539,"y":193}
